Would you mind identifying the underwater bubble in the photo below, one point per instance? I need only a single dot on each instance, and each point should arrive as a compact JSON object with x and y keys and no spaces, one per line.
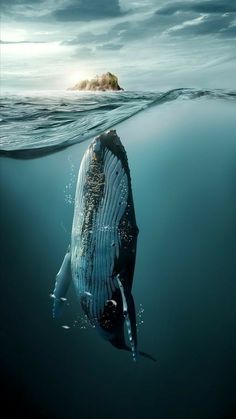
{"x":139,"y":316}
{"x":82,"y":322}
{"x":69,"y":196}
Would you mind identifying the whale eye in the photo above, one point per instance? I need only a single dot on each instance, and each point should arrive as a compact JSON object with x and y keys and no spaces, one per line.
{"x":111,"y":303}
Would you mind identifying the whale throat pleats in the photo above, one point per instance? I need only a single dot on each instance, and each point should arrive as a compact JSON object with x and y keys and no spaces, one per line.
{"x":101,"y":202}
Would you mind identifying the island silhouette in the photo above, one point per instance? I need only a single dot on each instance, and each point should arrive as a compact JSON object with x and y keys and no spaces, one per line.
{"x":104,"y":82}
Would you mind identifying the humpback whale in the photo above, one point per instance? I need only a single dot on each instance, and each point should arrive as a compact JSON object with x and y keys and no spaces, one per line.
{"x":101,"y":256}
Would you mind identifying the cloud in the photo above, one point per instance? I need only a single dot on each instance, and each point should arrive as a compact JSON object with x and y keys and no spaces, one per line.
{"x":109,"y":46}
{"x":83,"y":53}
{"x":62,"y":10}
{"x":220,"y":6}
{"x":21,"y":42}
{"x":124,"y":32}
{"x":150,"y":29}
{"x":89,"y":52}
{"x":205,"y":25}
{"x":11,"y":3}
{"x":229,"y":32}
{"x":84,"y":10}
{"x":83,"y":38}
{"x":8,"y":6}
{"x":31,"y":11}
{"x":112,"y":34}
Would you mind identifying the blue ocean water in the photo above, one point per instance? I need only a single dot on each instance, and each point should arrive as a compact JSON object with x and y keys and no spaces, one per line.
{"x":182,"y":158}
{"x":42,"y":122}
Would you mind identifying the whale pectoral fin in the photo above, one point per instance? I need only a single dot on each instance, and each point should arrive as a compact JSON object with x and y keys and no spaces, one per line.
{"x":130,"y":318}
{"x":62,"y":283}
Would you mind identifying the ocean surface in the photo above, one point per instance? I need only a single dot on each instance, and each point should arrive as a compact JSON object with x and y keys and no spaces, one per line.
{"x":181,"y":147}
{"x":41,"y":123}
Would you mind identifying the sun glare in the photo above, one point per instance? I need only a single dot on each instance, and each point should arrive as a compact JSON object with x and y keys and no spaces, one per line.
{"x":79,"y":75}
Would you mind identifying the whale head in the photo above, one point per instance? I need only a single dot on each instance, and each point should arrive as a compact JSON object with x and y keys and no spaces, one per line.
{"x":109,"y":141}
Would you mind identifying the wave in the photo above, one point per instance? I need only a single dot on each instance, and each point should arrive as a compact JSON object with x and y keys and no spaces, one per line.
{"x":36,"y":125}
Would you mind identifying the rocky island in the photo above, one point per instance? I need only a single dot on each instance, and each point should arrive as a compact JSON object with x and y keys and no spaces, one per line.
{"x":107,"y":81}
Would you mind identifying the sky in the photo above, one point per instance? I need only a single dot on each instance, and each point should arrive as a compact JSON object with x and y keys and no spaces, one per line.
{"x":148,"y":44}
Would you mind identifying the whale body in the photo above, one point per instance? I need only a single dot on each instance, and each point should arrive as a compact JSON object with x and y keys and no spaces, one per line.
{"x":101,"y":256}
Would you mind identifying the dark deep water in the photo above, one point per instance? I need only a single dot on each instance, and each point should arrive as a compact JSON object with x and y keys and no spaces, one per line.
{"x":182,"y":158}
